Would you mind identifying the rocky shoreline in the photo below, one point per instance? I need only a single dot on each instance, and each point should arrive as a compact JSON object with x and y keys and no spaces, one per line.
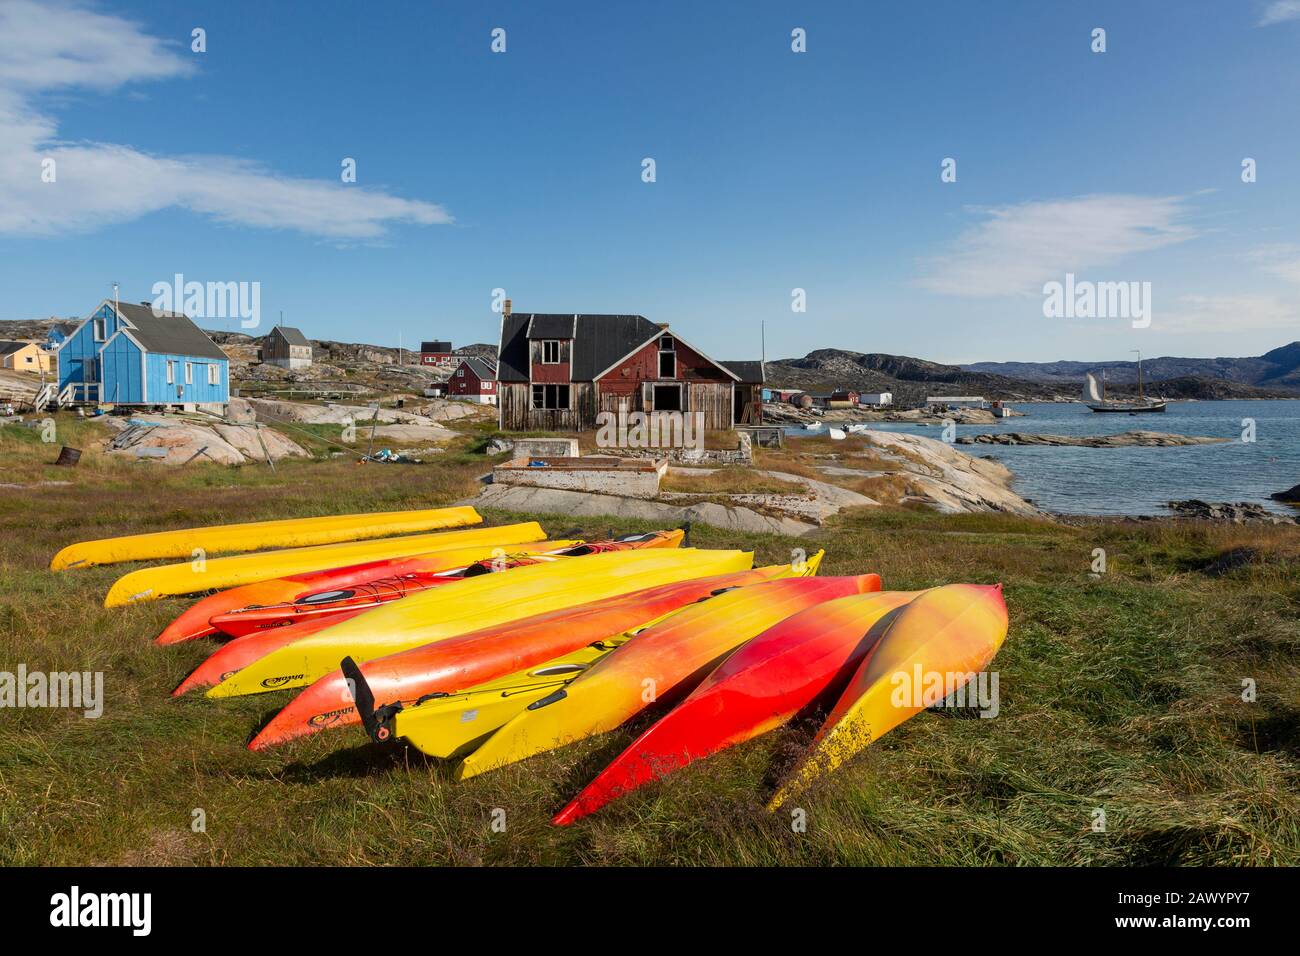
{"x":1129,"y":439}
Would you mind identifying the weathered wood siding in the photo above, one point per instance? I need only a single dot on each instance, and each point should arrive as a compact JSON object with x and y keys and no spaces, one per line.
{"x":517,"y":414}
{"x":554,"y":373}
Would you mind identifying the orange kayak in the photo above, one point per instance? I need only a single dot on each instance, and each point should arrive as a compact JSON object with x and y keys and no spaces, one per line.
{"x":242,"y":651}
{"x":661,"y":664}
{"x":335,"y":599}
{"x":196,"y":620}
{"x":779,"y":674}
{"x":461,"y":662}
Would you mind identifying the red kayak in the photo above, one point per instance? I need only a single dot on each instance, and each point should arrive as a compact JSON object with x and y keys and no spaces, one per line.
{"x":196,"y":620}
{"x":332,"y":584}
{"x":244,"y":650}
{"x":760,"y":687}
{"x":332,"y":602}
{"x":471,"y":659}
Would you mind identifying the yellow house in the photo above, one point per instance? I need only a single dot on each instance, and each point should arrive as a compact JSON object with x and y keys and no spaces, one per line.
{"x":25,"y":357}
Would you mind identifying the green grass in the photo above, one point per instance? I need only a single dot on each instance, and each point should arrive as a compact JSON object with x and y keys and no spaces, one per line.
{"x":1120,"y":692}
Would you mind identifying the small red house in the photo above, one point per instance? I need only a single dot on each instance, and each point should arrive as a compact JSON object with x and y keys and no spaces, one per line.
{"x":437,"y":354}
{"x":475,"y":380}
{"x":558,"y":372}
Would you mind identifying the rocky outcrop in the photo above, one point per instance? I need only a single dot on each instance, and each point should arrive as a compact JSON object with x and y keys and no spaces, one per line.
{"x":947,"y":479}
{"x":1142,"y":439}
{"x":1241,"y":512}
{"x":176,"y":441}
{"x":526,"y":500}
{"x":1291,"y":496}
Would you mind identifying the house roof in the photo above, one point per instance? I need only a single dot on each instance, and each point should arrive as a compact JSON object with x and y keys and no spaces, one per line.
{"x":599,"y":342}
{"x":750,"y":373}
{"x":8,"y":346}
{"x":552,"y":326}
{"x":291,"y":335}
{"x":167,"y":332}
{"x":435,"y":346}
{"x":484,"y":369}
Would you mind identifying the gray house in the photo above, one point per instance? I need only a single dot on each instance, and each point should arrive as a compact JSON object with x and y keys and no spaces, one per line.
{"x":286,"y":347}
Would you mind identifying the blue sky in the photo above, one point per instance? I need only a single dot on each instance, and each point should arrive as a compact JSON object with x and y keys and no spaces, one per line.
{"x":775,"y":170}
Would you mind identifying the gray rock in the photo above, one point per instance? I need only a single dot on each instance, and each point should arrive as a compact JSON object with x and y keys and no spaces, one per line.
{"x":1241,"y":512}
{"x":1128,"y":439}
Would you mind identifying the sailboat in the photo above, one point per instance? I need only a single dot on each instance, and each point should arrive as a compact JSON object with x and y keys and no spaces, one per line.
{"x":1096,"y":398}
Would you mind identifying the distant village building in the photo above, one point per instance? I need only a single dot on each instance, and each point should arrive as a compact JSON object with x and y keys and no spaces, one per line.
{"x":128,"y":354}
{"x":474,"y":380}
{"x":438,"y":354}
{"x":557,"y":372}
{"x":286,"y":347}
{"x":879,"y":398}
{"x":24,"y":357}
{"x":58,"y":333}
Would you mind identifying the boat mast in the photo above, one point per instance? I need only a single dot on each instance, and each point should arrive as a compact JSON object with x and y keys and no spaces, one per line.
{"x":1141,"y":396}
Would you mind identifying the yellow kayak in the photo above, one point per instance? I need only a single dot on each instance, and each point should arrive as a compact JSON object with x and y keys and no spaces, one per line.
{"x":663,"y":663}
{"x":934,"y":647}
{"x":454,"y":724}
{"x":474,"y":604}
{"x":149,"y":584}
{"x":450,"y":724}
{"x":256,"y":535}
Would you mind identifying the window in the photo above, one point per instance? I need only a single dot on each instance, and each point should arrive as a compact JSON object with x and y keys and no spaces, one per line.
{"x":171,"y":372}
{"x":550,"y":352}
{"x":668,"y":398}
{"x":98,"y":329}
{"x":550,"y":396}
{"x":460,"y":373}
{"x":214,"y":374}
{"x":667,"y":357}
{"x":189,"y":373}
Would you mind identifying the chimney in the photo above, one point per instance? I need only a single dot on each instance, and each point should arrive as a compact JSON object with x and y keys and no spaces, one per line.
{"x":505,"y":309}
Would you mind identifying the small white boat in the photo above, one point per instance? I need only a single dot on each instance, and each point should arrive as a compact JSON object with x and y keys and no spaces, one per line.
{"x":838,"y":434}
{"x":814,"y":426}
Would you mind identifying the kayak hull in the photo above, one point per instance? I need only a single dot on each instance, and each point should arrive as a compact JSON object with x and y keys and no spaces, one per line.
{"x":509,"y":650}
{"x":662,"y":663}
{"x":760,"y":687}
{"x":383,"y":590}
{"x":150,"y":584}
{"x":951,"y":632}
{"x":197,"y":620}
{"x":256,"y":535}
{"x":473,"y":604}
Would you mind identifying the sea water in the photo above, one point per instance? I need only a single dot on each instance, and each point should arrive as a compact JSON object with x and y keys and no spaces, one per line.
{"x":1138,"y":481}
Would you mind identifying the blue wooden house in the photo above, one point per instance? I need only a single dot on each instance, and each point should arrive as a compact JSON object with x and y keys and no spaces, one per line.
{"x":128,"y":354}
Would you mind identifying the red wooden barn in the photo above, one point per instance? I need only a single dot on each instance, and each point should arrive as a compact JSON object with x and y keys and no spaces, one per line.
{"x":474,"y":380}
{"x":557,"y":372}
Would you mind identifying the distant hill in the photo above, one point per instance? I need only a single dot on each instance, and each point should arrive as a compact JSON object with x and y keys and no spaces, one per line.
{"x":1278,"y":370}
{"x":909,"y":379}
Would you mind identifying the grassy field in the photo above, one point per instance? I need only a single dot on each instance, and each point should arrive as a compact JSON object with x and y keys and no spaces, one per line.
{"x":1120,"y":692}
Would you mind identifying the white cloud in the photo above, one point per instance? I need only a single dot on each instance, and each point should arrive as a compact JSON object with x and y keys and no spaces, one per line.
{"x":51,"y":47}
{"x":1281,"y":261}
{"x":1226,"y":313}
{"x":1018,"y":248}
{"x":1279,"y":11}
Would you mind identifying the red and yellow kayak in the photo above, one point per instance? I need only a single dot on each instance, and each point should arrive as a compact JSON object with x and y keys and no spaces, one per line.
{"x":334,"y":599}
{"x":478,"y":602}
{"x":760,"y":687}
{"x":661,"y":663}
{"x":932,"y":648}
{"x":196,"y":620}
{"x":232,"y":657}
{"x":462,"y":662}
